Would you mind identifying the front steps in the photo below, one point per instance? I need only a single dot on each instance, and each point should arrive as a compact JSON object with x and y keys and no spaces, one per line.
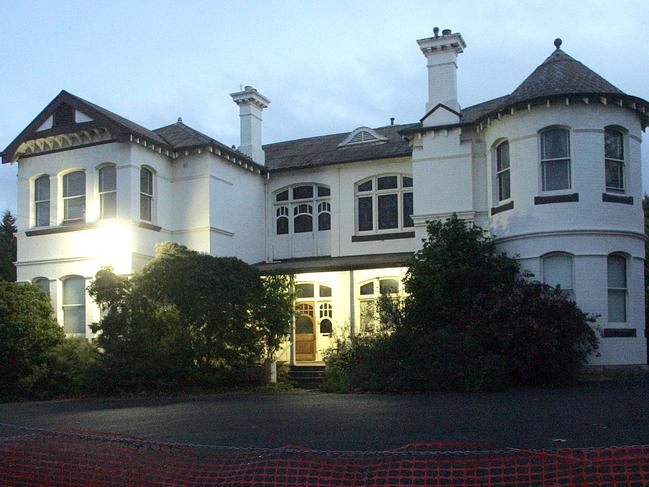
{"x":306,"y":376}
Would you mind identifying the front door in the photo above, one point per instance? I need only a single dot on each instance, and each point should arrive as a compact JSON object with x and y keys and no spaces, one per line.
{"x":305,"y":332}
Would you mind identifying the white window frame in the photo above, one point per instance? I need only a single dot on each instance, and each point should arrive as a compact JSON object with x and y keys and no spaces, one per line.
{"x":543,"y":161}
{"x":317,"y":204}
{"x":148,"y":196}
{"x":103,"y":193}
{"x":65,"y":306}
{"x":500,"y":173}
{"x":371,"y":298}
{"x":47,"y":201}
{"x":571,"y":292}
{"x":625,"y":289}
{"x":65,"y":198}
{"x":374,"y":193}
{"x":619,"y":162}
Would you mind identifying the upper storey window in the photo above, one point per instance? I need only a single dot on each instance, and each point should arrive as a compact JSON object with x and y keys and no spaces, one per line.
{"x":146,"y":194}
{"x":306,"y":206}
{"x":74,"y":197}
{"x":42,"y":201}
{"x":384,"y":203}
{"x":614,"y":159}
{"x":503,"y":171}
{"x":555,"y":159}
{"x":108,"y":192}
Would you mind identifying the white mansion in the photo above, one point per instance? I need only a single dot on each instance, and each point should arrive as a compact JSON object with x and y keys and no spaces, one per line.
{"x":553,"y":170}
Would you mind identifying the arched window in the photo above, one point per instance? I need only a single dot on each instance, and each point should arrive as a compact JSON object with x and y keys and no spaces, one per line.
{"x":614,"y":160}
{"x":146,"y":194}
{"x":503,"y":178}
{"x":384,"y":204}
{"x":74,"y":197}
{"x":108,"y":191}
{"x":43,"y":283}
{"x":369,"y":292}
{"x":42,"y":201}
{"x":555,"y":159}
{"x":74,"y":304}
{"x":325,"y":316}
{"x":558,"y":271}
{"x":303,"y":199}
{"x":617,"y":288}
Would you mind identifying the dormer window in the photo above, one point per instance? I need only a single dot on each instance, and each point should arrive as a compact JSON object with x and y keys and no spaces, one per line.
{"x":362,"y":135}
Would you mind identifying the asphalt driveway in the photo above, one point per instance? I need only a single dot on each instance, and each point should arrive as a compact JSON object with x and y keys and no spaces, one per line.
{"x":590,"y":414}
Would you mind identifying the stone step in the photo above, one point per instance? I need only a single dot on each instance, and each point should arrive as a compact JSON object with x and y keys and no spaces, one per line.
{"x":307,"y":376}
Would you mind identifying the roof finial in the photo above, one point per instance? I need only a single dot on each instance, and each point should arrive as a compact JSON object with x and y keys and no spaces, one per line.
{"x":557,"y":43}
{"x":436,"y":31}
{"x":180,"y":119}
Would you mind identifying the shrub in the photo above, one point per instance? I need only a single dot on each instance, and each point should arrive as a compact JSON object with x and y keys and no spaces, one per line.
{"x":471,"y":321}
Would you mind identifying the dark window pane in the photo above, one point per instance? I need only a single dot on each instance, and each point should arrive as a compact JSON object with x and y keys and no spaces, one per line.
{"x":304,"y":325}
{"x":323,"y":191}
{"x":502,"y":156}
{"x":74,"y":184}
{"x":614,"y":175}
{"x":145,"y":207}
{"x":108,"y":205}
{"x":617,"y":305}
{"x":366,"y":186}
{"x":326,"y":326}
{"x":365,"y":214}
{"x":146,"y":181}
{"x":555,"y":144}
{"x":42,"y":189}
{"x":304,"y":290}
{"x":387,"y":182}
{"x":301,"y":192}
{"x":74,"y":319}
{"x":389,"y":286}
{"x":43,"y":214}
{"x":325,"y":291}
{"x":282,"y":225}
{"x":556,"y":175}
{"x":107,"y":179}
{"x":302,"y":209}
{"x":74,"y":209}
{"x":407,"y":182}
{"x":302,"y":224}
{"x":283,"y":196}
{"x":407,"y":210}
{"x":614,"y":147}
{"x":504,"y":188}
{"x":324,"y":222}
{"x":367,"y":289}
{"x":388,"y":211}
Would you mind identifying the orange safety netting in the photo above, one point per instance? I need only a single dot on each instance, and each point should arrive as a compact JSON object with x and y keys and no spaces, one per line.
{"x":31,"y":456}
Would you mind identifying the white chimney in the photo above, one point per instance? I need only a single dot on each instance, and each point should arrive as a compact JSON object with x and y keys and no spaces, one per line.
{"x":441,"y":54}
{"x":251,"y":103}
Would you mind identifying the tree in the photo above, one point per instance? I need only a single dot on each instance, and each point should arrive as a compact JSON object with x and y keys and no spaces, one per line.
{"x":28,"y":333}
{"x":7,"y":247}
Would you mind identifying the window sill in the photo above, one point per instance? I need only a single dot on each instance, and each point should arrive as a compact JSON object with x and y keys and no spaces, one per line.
{"x":619,"y":333}
{"x":149,"y":226}
{"x":559,"y":198}
{"x":382,"y":236}
{"x":504,"y":207}
{"x":616,"y":198}
{"x":62,"y":229}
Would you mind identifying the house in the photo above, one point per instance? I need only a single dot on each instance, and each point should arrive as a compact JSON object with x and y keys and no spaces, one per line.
{"x":553,"y":170}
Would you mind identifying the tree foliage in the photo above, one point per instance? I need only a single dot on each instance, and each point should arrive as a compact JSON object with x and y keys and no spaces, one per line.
{"x":470,"y":321}
{"x":7,"y":247}
{"x":188,"y":318}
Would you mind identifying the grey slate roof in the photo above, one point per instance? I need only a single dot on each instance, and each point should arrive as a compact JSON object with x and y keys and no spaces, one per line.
{"x":323,"y":150}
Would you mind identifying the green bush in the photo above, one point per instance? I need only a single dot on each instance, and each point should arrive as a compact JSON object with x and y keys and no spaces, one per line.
{"x":470,"y":322}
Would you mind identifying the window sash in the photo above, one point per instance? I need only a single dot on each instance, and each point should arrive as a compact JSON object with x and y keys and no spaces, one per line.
{"x":560,"y":178}
{"x":74,"y":318}
{"x":384,"y":210}
{"x":42,"y":211}
{"x":146,"y":204}
{"x":617,"y":305}
{"x":74,"y":209}
{"x":614,"y":174}
{"x":504,"y":185}
{"x":108,"y":204}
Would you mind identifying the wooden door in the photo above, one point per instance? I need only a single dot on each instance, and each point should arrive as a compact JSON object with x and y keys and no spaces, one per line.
{"x":305,"y":332}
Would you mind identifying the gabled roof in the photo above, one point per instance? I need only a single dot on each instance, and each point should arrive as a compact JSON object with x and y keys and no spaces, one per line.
{"x":325,"y":150}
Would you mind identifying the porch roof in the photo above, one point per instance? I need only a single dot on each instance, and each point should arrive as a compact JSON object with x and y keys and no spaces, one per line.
{"x":327,"y":264}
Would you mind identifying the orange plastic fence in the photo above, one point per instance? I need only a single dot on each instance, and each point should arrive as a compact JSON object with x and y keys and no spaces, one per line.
{"x":30,"y":456}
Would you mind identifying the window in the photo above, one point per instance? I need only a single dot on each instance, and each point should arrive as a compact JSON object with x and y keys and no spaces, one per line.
{"x":558,"y":272}
{"x":617,"y":288}
{"x":302,"y":200}
{"x":74,"y":305}
{"x":43,"y":283}
{"x":42,"y":201}
{"x":384,"y":204}
{"x":325,"y":316}
{"x":614,"y":160}
{"x":74,"y":197}
{"x":146,"y":195}
{"x":555,"y":159}
{"x":108,"y":192}
{"x":304,"y":290}
{"x":503,"y":177}
{"x":368,"y":295}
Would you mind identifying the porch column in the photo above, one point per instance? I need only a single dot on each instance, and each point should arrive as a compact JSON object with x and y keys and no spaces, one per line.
{"x":352,"y":309}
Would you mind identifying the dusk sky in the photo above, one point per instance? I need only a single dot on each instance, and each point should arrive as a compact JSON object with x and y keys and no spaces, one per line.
{"x":327,"y":66}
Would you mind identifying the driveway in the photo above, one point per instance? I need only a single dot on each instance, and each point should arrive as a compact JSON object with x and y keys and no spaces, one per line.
{"x":589,"y":414}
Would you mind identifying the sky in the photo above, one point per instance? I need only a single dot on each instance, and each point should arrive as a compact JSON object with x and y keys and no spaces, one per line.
{"x":327,"y":66}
